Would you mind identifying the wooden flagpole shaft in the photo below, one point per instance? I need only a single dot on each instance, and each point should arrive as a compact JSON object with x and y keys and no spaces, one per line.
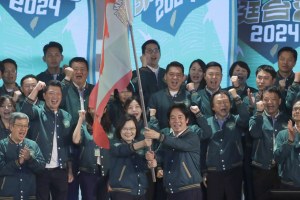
{"x":141,"y":93}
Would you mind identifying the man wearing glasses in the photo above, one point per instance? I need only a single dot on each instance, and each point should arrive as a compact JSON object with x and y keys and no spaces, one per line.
{"x":20,"y":160}
{"x":152,"y":76}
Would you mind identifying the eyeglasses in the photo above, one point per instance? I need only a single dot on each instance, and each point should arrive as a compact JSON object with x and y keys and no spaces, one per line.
{"x":296,"y":109}
{"x":151,"y":51}
{"x":9,"y":107}
{"x":128,"y":129}
{"x":21,"y":126}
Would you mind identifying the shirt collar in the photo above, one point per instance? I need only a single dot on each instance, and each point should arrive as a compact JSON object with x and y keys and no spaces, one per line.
{"x":216,"y":117}
{"x":179,"y":134}
{"x":280,"y":77}
{"x":153,"y":69}
{"x":78,"y":86}
{"x":211,"y":92}
{"x":275,"y":117}
{"x":11,"y":140}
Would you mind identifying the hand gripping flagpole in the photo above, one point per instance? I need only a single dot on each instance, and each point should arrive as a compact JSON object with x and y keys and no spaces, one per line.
{"x":141,"y":93}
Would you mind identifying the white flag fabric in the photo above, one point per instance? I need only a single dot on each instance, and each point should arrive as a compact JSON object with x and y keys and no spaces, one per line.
{"x":115,"y":68}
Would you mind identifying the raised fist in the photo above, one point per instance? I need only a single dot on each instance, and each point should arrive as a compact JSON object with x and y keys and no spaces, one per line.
{"x":190,"y":86}
{"x":297,"y":77}
{"x":232,"y":92}
{"x":235,"y":81}
{"x":260,"y":106}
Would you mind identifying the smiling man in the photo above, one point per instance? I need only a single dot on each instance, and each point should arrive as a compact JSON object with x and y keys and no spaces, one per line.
{"x":224,"y":152}
{"x":264,"y":127}
{"x":20,"y":159}
{"x":75,"y":87}
{"x":213,"y":78}
{"x":174,"y":93}
{"x":287,"y":152}
{"x":179,"y":155}
{"x":76,"y":92}
{"x":152,"y":76}
{"x":53,"y":135}
{"x":265,"y":77}
{"x":28,"y":83}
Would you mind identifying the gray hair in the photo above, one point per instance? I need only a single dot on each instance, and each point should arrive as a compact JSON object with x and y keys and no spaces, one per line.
{"x":17,"y":115}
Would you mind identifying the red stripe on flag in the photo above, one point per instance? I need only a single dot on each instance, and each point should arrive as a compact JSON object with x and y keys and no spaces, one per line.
{"x":99,"y":135}
{"x":120,"y":85}
{"x":115,"y":67}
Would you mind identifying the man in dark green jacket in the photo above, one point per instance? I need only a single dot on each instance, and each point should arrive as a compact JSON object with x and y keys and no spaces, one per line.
{"x":76,"y":92}
{"x":54,"y":137}
{"x":20,"y":161}
{"x":224,"y":155}
{"x":174,"y":93}
{"x":264,"y":127}
{"x":287,"y":152}
{"x":152,"y":75}
{"x":179,"y":155}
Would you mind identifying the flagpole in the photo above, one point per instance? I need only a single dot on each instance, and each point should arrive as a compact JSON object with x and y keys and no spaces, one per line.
{"x":141,"y":92}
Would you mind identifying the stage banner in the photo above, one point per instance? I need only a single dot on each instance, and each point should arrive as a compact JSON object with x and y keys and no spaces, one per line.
{"x":187,"y":30}
{"x":265,"y":26}
{"x":27,"y":25}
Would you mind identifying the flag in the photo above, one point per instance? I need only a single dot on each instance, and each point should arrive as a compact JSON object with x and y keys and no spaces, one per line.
{"x":115,"y":68}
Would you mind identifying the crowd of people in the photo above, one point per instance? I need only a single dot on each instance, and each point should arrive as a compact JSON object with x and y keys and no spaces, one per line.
{"x":202,"y":141}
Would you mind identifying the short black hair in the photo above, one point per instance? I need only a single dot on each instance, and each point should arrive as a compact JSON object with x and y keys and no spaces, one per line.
{"x":266,"y":68}
{"x":175,"y":64}
{"x":272,"y":89}
{"x":54,"y":83}
{"x":130,"y":87}
{"x":26,"y":77}
{"x":242,"y":64}
{"x":217,"y":93}
{"x":52,"y":44}
{"x":79,"y":59}
{"x":180,"y":106}
{"x":213,"y":64}
{"x":289,"y":49}
{"x":122,"y":121}
{"x":8,"y":60}
{"x":149,"y":42}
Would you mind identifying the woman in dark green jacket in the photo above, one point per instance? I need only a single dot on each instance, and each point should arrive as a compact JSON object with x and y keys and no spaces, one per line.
{"x":127,"y":177}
